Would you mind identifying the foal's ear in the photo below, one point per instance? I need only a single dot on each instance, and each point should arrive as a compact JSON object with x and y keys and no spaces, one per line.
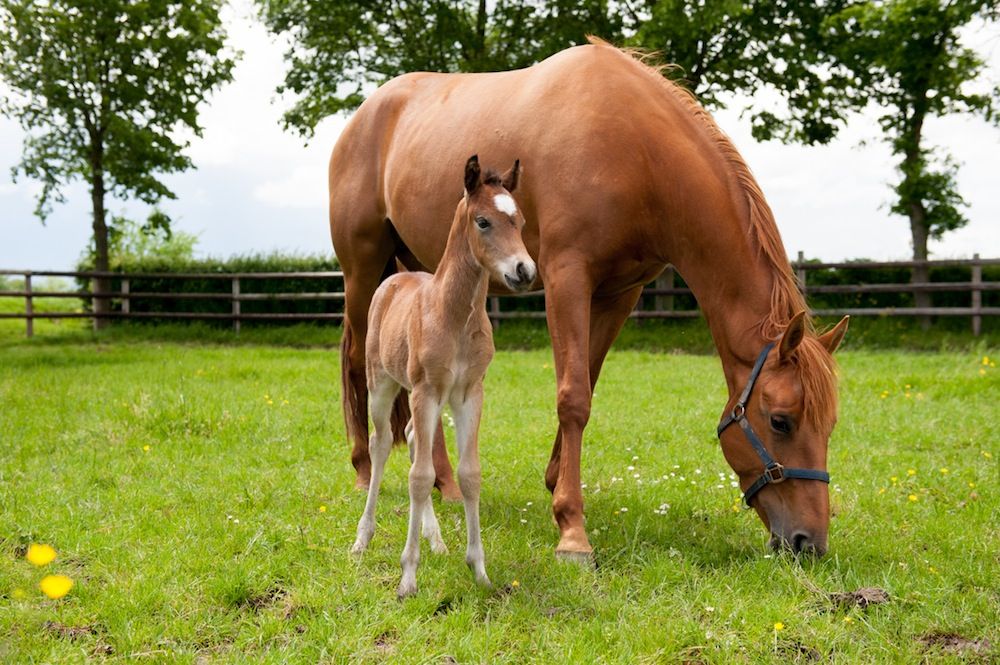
{"x":833,"y":337}
{"x":792,"y":336}
{"x":472,"y":174}
{"x":509,"y":179}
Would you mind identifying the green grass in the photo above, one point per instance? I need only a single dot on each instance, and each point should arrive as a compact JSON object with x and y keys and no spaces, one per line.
{"x":214,"y":545}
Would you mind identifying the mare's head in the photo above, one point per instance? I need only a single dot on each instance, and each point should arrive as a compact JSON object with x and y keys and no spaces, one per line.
{"x":495,"y":224}
{"x":791,"y":409}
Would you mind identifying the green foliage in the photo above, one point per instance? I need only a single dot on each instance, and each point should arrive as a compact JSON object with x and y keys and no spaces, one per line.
{"x":132,"y":245}
{"x":341,"y":50}
{"x":907,"y":58}
{"x":211,"y":546}
{"x":104,"y":89}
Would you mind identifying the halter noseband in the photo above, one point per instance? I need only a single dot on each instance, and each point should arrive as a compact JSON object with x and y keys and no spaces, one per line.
{"x":774,"y":472}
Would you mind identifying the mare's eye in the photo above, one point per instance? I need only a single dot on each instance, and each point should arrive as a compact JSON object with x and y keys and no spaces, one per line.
{"x":781,"y":425}
{"x":482,"y":222}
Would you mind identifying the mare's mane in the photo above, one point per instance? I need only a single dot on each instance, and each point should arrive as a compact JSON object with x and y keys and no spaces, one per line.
{"x":816,"y":367}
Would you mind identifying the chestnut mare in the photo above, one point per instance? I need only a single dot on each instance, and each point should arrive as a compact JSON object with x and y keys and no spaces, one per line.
{"x":626,"y":173}
{"x":430,"y":335}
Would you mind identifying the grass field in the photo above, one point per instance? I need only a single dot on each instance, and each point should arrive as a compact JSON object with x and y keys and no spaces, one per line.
{"x":200,"y":497}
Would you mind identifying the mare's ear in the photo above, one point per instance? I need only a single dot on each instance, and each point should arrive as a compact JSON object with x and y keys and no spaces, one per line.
{"x":792,"y":336}
{"x":472,"y":174}
{"x":509,"y":179}
{"x":833,"y":337}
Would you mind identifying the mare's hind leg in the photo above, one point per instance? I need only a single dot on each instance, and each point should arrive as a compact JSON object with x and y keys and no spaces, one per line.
{"x":467,"y":414}
{"x":426,"y":410}
{"x":431,"y":529}
{"x":379,"y":448}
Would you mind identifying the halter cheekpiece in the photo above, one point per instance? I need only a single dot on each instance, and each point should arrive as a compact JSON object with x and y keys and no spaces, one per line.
{"x":774,"y":472}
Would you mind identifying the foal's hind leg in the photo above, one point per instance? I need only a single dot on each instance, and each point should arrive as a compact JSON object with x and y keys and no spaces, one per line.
{"x":467,"y":414}
{"x":431,"y":529}
{"x":379,"y":447}
{"x":426,"y":410}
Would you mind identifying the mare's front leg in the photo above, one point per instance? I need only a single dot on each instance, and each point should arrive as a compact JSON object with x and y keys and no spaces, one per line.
{"x":425,"y":407}
{"x":567,"y":306}
{"x":467,"y":414}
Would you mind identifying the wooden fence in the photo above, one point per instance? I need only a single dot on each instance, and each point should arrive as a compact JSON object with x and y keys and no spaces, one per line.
{"x":663,"y":293}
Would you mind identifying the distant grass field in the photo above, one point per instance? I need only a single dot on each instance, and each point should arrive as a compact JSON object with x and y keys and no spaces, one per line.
{"x":200,"y":496}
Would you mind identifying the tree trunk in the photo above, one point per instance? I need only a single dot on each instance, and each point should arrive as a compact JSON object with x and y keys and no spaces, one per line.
{"x":920,"y":274}
{"x":101,"y":263}
{"x":913,"y":167}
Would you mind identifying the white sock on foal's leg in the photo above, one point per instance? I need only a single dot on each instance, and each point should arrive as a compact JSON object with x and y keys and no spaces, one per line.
{"x":379,"y":447}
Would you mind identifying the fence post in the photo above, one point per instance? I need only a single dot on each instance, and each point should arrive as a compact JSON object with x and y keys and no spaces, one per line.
{"x":664,"y":302}
{"x":800,"y":271}
{"x":977,"y":296}
{"x":125,"y":299}
{"x":494,"y":310}
{"x":236,"y":305}
{"x":29,"y":306}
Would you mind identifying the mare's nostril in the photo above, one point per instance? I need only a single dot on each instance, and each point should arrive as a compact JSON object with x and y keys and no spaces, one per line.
{"x":801,"y":542}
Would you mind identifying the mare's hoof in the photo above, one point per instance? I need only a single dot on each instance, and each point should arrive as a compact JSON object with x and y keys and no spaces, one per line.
{"x":450,"y":493}
{"x":582,"y":559}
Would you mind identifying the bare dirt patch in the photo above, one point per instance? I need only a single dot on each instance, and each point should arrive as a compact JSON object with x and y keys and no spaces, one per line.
{"x":862,"y":598}
{"x":954,"y":643}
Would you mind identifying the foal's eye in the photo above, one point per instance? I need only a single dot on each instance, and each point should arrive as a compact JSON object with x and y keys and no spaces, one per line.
{"x":781,"y":425}
{"x":482,"y":222}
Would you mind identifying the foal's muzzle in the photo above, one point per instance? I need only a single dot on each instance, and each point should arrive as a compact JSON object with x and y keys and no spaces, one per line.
{"x":523,"y":276}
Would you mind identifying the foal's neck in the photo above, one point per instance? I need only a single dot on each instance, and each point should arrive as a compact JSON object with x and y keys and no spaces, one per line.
{"x":460,"y":283}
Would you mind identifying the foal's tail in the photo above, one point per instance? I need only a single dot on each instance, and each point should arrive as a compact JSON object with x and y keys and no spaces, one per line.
{"x":355,"y":414}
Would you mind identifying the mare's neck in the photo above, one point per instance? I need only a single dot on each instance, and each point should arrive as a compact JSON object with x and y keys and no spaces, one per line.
{"x":460,"y":284}
{"x":733,"y":284}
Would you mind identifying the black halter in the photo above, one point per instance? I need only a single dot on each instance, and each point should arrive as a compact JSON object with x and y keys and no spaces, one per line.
{"x":773,"y":471}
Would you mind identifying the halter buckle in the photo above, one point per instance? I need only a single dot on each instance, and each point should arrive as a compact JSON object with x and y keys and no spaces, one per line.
{"x":739,"y":411}
{"x":774,"y":473}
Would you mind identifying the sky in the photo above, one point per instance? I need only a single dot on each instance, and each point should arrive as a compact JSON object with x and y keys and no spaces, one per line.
{"x":258,"y":188}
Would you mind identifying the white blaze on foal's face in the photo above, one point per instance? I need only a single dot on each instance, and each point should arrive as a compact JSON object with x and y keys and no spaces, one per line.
{"x":505,"y":204}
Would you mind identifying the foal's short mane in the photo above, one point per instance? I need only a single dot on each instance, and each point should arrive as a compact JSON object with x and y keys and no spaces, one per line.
{"x":816,"y":367}
{"x":491,"y":177}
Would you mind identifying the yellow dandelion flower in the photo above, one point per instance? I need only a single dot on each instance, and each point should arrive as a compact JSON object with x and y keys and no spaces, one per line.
{"x":986,"y":360}
{"x":911,"y":472}
{"x":908,"y":386}
{"x":515,"y":584}
{"x":982,"y":372}
{"x":146,"y":448}
{"x":322,"y":509}
{"x":987,"y":454}
{"x":907,"y":395}
{"x":912,"y":497}
{"x":881,"y":490}
{"x":894,"y":479}
{"x":55,"y":586}
{"x":972,"y":485}
{"x":778,"y":626}
{"x":40,"y":555}
{"x":944,"y":470}
{"x":848,"y":620}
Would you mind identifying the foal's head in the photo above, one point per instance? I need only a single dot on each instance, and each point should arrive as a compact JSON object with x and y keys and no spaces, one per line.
{"x":792,"y":409}
{"x":494,"y":225}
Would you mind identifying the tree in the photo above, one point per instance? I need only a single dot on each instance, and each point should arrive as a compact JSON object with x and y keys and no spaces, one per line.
{"x":907,"y":58}
{"x":101,"y":89}
{"x":726,"y":46}
{"x":341,"y":50}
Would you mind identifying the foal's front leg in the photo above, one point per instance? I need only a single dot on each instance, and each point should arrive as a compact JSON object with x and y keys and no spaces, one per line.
{"x":426,"y":409}
{"x":467,"y":413}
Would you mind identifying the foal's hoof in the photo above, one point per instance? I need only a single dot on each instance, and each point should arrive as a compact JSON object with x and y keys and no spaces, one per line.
{"x":406,"y":589}
{"x":361,"y":484}
{"x":582,"y":559}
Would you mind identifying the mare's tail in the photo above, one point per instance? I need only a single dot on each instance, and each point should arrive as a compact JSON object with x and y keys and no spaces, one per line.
{"x":356,"y":416}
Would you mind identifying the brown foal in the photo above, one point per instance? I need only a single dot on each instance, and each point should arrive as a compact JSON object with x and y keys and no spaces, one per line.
{"x":430,"y":335}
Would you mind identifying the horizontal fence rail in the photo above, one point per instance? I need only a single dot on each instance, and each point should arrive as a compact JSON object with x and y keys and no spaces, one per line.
{"x":660,"y":300}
